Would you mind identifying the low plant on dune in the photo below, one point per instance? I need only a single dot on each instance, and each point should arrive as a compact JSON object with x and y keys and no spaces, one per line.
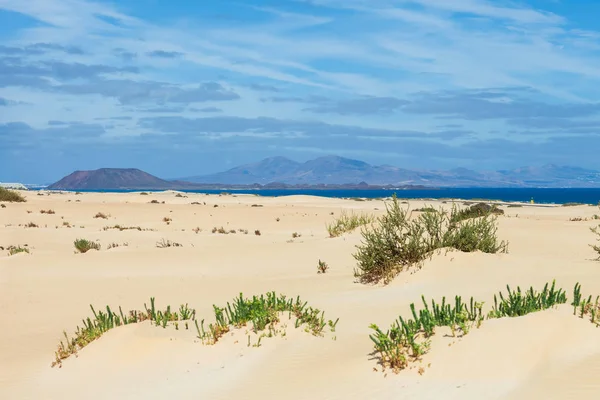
{"x":31,"y":225}
{"x":11,"y":196}
{"x":596,"y":247}
{"x":101,"y":215}
{"x":518,"y":303}
{"x":348,"y":222}
{"x":408,"y":339}
{"x":47,"y":212}
{"x":263,"y":313}
{"x":167,"y":243}
{"x":12,"y":250}
{"x":322,"y":267}
{"x":397,"y":242}
{"x":84,"y":245}
{"x":103,"y":321}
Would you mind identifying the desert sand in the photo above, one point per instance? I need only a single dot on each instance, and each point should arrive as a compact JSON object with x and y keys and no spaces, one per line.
{"x":549,"y":354}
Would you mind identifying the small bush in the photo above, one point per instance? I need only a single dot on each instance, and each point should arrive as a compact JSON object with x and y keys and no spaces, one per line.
{"x":322,"y":267}
{"x":348,"y":222}
{"x":296,"y":235}
{"x":113,"y":245}
{"x":154,"y":202}
{"x":167,"y":243}
{"x":475,"y":211}
{"x":101,"y":215}
{"x":167,"y":220}
{"x":11,"y":196}
{"x":256,"y":205}
{"x":12,"y":250}
{"x":3,"y":205}
{"x":572,"y":204}
{"x":197,"y":230}
{"x":515,"y":205}
{"x":257,"y":232}
{"x":84,"y":245}
{"x":144,"y":194}
{"x":396,"y":242}
{"x":47,"y":212}
{"x":31,"y":225}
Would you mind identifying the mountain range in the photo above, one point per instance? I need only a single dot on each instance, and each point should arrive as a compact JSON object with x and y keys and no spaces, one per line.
{"x":332,"y":172}
{"x":340,"y":170}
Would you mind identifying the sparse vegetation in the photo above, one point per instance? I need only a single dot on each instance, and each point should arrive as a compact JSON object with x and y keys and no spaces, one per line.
{"x":144,"y":194}
{"x":113,"y":245}
{"x":347,"y":222}
{"x":475,"y":211}
{"x":31,"y":225}
{"x":104,"y":321}
{"x":257,"y":232}
{"x":515,"y":206}
{"x":197,"y":230}
{"x":11,"y":196}
{"x":408,"y":339}
{"x":519,"y":303}
{"x":322,"y":267}
{"x":126,"y":228}
{"x":572,"y":204}
{"x":167,"y":243}
{"x":3,"y":205}
{"x":596,"y":247}
{"x":296,"y":235}
{"x":47,"y":212}
{"x":154,"y":202}
{"x":263,"y":313}
{"x":101,"y":215}
{"x":167,"y":220}
{"x":12,"y":250}
{"x":84,"y":245}
{"x":397,"y":242}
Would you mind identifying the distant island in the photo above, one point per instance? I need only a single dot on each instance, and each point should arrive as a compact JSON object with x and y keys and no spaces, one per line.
{"x":135,"y":179}
{"x":330,"y":173}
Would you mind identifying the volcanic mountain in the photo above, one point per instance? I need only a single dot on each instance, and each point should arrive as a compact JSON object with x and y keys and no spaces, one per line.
{"x":112,"y":178}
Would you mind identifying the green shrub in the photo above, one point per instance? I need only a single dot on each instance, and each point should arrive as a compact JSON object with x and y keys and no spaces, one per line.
{"x":12,"y":250}
{"x":83,"y":245}
{"x":347,"y":222}
{"x":11,"y":196}
{"x":397,"y":242}
{"x":475,"y":211}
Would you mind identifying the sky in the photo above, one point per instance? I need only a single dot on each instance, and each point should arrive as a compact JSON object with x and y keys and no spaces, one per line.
{"x":180,"y":88}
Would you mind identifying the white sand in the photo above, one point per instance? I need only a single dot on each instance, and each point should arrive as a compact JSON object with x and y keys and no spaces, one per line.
{"x":550,"y":354}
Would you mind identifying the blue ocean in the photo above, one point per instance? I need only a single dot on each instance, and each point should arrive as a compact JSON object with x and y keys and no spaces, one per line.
{"x":539,"y":195}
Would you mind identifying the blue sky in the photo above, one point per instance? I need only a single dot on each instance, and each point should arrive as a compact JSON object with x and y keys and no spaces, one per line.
{"x":180,"y":88}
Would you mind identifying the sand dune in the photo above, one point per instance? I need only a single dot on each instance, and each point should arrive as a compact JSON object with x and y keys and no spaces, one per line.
{"x":548,"y":354}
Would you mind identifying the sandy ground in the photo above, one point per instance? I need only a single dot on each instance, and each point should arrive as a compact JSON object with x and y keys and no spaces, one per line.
{"x":550,"y":354}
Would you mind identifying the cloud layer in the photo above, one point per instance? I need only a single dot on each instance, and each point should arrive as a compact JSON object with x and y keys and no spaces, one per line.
{"x":415,"y":83}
